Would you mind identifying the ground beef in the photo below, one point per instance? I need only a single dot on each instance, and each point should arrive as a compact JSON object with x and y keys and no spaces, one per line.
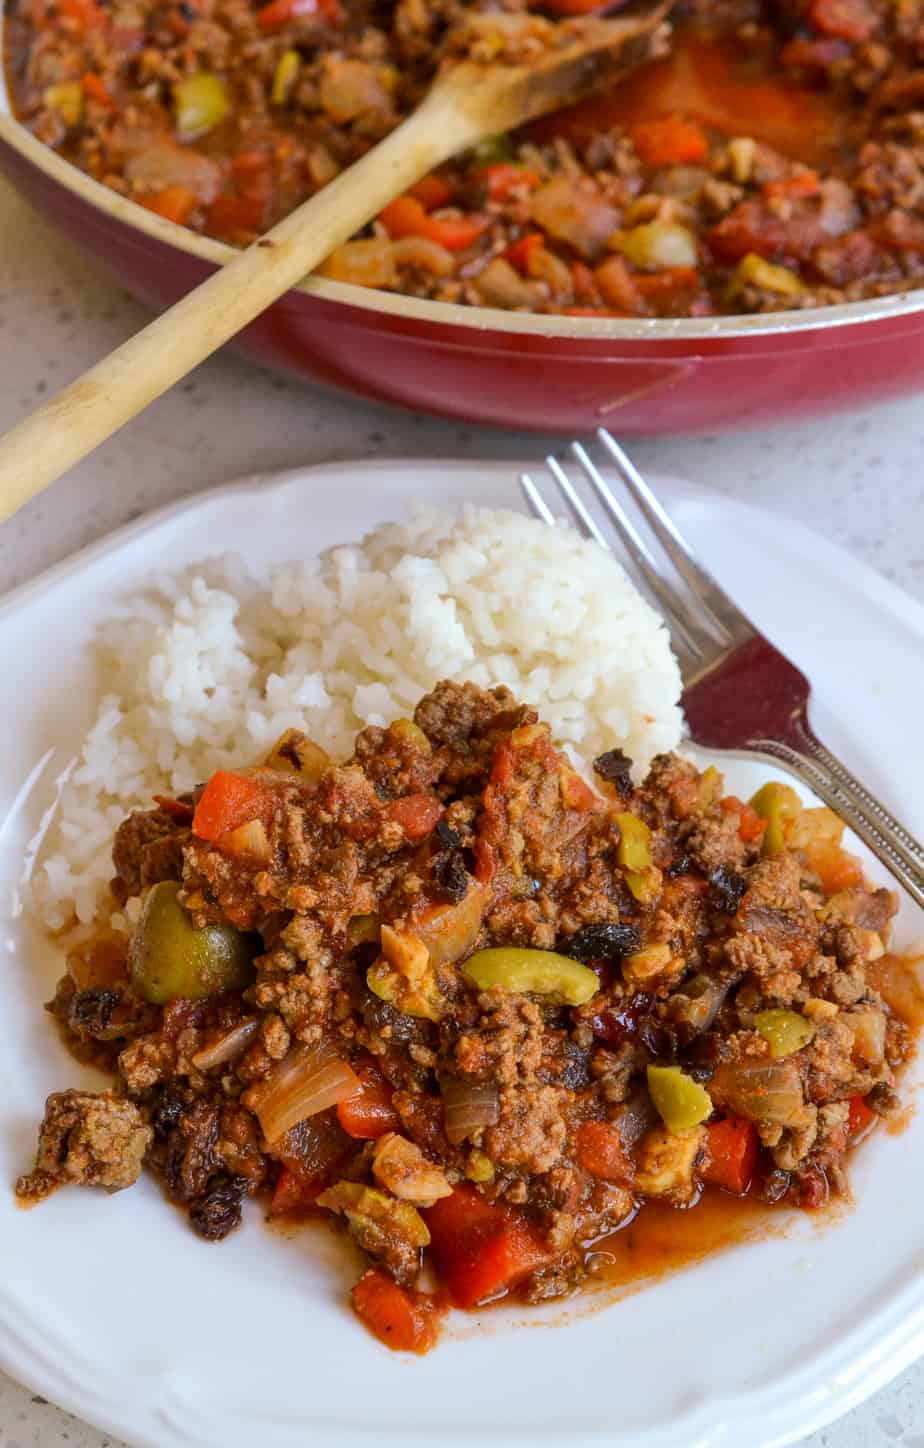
{"x":148,"y":848}
{"x":88,"y":1140}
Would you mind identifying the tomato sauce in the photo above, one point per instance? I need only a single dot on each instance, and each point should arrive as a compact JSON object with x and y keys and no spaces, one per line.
{"x":707,"y":78}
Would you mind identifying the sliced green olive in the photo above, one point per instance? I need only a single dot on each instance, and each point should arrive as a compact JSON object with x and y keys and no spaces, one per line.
{"x":778,"y":805}
{"x":170,"y":960}
{"x":784,"y":1031}
{"x":680,"y":1101}
{"x":543,"y":972}
{"x":634,"y":849}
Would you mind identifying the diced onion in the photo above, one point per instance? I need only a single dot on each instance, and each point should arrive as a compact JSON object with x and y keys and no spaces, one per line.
{"x":467,"y":1107}
{"x":310,"y":1079}
{"x":248,"y":842}
{"x":226,"y":1047}
{"x":766,"y":1091}
{"x":637,"y":1116}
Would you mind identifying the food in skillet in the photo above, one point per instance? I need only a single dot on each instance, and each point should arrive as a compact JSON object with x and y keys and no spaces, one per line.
{"x":475,"y":1009}
{"x":773,"y":160}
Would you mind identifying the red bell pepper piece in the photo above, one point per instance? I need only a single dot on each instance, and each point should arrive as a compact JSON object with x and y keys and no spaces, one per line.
{"x":279,"y":12}
{"x":504,"y":177}
{"x":84,"y":13}
{"x":750,"y":825}
{"x":519,"y":253}
{"x":790,"y":188}
{"x":94,"y":90}
{"x":433,"y":192}
{"x":406,"y":216}
{"x":600,"y":1151}
{"x":417,"y":814}
{"x":228,"y":801}
{"x":401,"y":1319}
{"x":368,"y":1113}
{"x":731,"y":1154}
{"x":174,"y":203}
{"x":481,"y":1250}
{"x":669,"y":141}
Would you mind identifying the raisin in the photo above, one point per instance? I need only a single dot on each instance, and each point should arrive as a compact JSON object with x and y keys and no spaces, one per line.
{"x":219,"y":1211}
{"x":727,"y":889}
{"x":166,"y":1114}
{"x":448,"y":836}
{"x":616,"y":768}
{"x":681,"y":866}
{"x":601,"y":942}
{"x":91,"y":1010}
{"x":450,"y":873}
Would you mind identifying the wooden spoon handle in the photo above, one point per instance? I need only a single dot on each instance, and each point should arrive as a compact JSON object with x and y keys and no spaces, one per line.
{"x":70,"y":425}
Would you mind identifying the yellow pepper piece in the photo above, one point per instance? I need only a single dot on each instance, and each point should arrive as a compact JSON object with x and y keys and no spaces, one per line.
{"x":285,"y":77}
{"x":67,"y":100}
{"x":479,"y":1168}
{"x":754,"y":270}
{"x":201,"y":102}
{"x":543,"y":972}
{"x":645,"y":884}
{"x":679,"y":1100}
{"x":784,"y":1031}
{"x":779,"y":806}
{"x":634,"y":849}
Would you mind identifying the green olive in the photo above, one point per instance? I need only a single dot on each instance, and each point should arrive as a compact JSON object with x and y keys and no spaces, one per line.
{"x":541,"y":971}
{"x":784,"y":1031}
{"x":680,"y":1101}
{"x":778,"y":805}
{"x":170,"y":960}
{"x":634,"y":849}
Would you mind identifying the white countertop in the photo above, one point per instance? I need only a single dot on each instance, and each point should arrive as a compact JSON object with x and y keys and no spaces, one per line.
{"x":857,"y":479}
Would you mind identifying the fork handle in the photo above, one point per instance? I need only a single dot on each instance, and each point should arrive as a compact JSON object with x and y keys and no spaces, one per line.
{"x":814,"y":764}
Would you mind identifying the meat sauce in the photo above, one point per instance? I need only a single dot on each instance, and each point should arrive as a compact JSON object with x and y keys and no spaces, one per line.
{"x":772,"y":160}
{"x":515,"y":1035}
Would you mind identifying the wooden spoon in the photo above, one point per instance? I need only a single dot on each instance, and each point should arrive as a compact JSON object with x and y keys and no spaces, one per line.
{"x":468,"y":103}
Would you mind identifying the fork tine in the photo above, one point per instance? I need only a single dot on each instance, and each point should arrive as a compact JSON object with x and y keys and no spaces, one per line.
{"x":699,"y":643}
{"x":727,"y":617}
{"x":536,"y":501}
{"x":566,"y":487}
{"x":682,"y":634}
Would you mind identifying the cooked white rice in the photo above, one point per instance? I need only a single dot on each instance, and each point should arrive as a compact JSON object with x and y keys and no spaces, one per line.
{"x":207,"y":668}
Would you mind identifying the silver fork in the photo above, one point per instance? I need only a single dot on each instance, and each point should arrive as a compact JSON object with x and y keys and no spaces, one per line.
{"x":740,"y":693}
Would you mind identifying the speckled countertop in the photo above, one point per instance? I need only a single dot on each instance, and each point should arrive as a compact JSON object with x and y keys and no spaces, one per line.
{"x":859,"y":480}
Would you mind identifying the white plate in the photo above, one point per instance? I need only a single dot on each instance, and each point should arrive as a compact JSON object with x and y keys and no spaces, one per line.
{"x":110,"y":1305}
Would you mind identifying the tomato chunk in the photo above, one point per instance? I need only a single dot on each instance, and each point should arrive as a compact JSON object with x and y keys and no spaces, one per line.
{"x":401,"y":1319}
{"x":228,"y":801}
{"x":294,"y":1193}
{"x":750,"y":825}
{"x":481,"y":1250}
{"x":669,"y":141}
{"x":417,"y":814}
{"x":601,"y":1152}
{"x":860,"y":1118}
{"x":368,"y":1113}
{"x":731,"y":1154}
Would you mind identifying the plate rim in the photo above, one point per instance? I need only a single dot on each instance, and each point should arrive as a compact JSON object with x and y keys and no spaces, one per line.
{"x":862,"y":1360}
